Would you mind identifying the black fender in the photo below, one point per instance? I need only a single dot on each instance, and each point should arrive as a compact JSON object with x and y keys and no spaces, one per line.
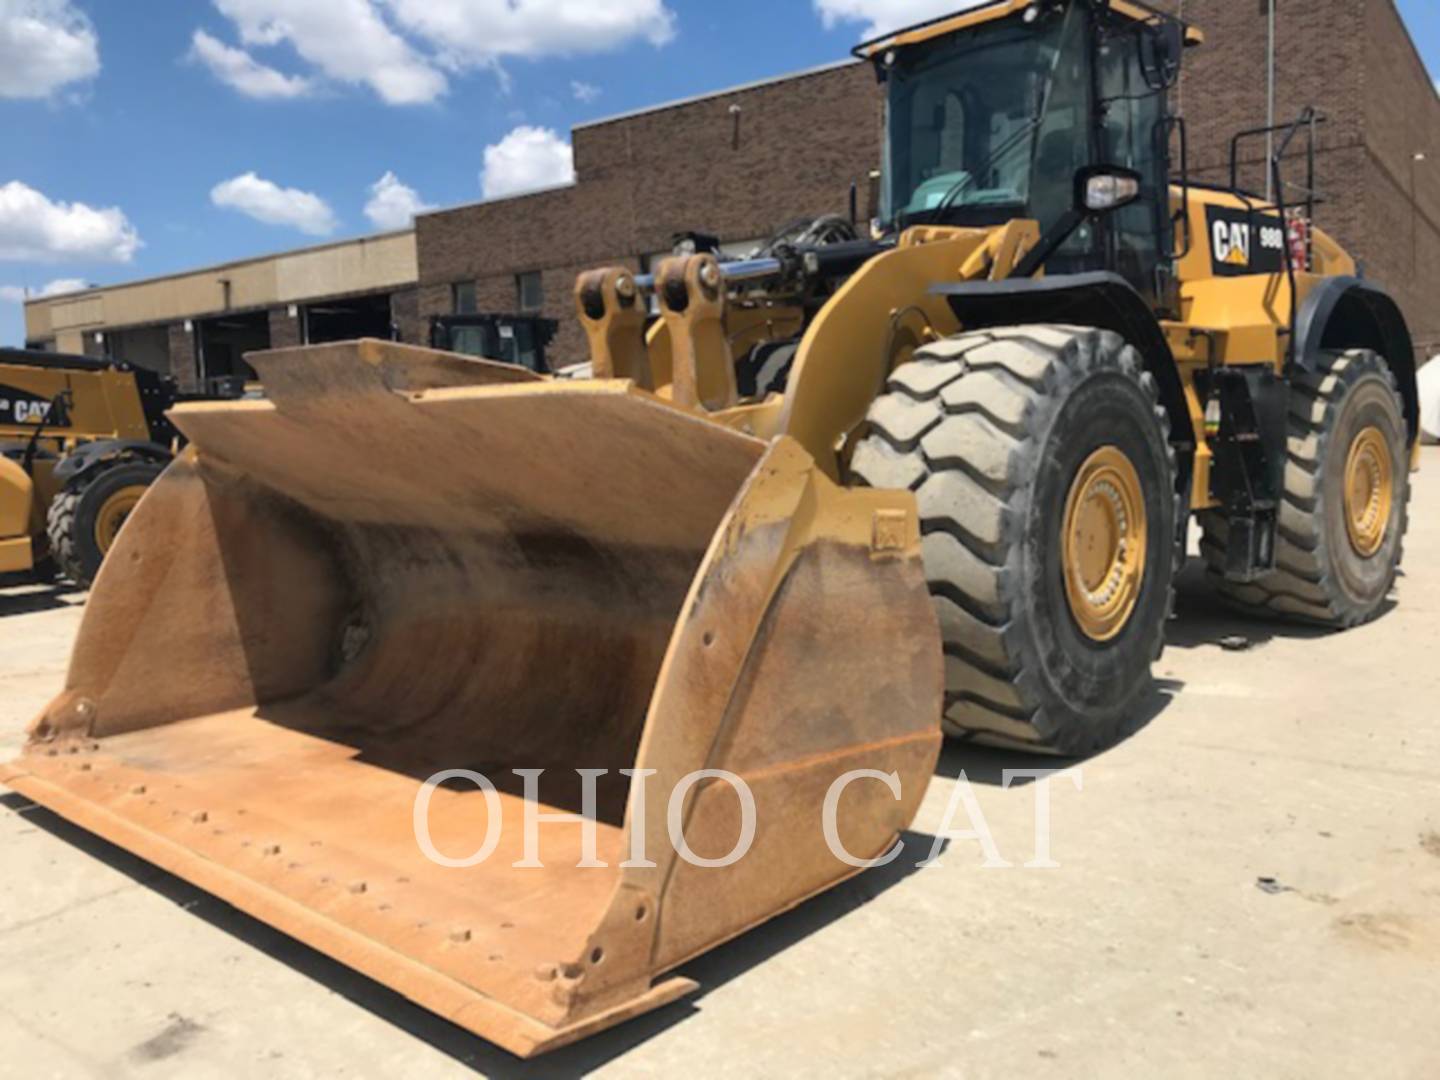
{"x":1351,"y":313}
{"x":1103,"y":300}
{"x":92,"y":456}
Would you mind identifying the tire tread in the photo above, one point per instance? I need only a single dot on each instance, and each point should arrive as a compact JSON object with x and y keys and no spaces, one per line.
{"x":962,"y":425}
{"x":1304,"y":587}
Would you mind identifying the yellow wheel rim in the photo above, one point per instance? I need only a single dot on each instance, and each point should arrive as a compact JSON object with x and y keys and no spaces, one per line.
{"x":1104,"y":544}
{"x":1369,"y":491}
{"x":113,"y":513}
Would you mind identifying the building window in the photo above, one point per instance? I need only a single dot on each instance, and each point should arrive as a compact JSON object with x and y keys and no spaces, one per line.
{"x":462,"y":297}
{"x":531,"y":291}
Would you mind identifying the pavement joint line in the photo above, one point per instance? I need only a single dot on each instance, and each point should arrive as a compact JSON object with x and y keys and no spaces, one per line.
{"x":78,"y":905}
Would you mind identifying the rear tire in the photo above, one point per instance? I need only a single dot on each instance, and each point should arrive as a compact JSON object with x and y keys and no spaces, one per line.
{"x":996,"y":432}
{"x":85,"y":516}
{"x":1333,"y":569}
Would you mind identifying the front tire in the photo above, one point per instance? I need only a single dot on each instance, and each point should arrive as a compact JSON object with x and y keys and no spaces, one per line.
{"x":1345,"y":507}
{"x":1046,"y":481}
{"x":86,"y":516}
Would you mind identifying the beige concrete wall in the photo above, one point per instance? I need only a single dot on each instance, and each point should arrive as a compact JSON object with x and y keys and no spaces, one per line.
{"x":381,"y":262}
{"x":73,"y":313}
{"x":37,"y":322}
{"x":371,"y":263}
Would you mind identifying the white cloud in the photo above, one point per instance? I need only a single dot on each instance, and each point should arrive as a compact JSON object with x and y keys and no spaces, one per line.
{"x":405,"y":50}
{"x":476,"y":32}
{"x":61,"y":286}
{"x":270,"y":203}
{"x":345,"y":40}
{"x":527,"y":159}
{"x":33,"y":228}
{"x":44,"y":45}
{"x":393,"y":205}
{"x":883,"y":16}
{"x":241,"y":71}
{"x":16,"y":294}
{"x":583,"y":91}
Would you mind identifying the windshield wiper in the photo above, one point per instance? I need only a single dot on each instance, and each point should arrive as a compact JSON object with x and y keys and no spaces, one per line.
{"x":1042,"y":106}
{"x":963,"y":184}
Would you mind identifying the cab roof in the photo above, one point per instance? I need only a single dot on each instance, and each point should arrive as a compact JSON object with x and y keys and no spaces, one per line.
{"x":992,"y":11}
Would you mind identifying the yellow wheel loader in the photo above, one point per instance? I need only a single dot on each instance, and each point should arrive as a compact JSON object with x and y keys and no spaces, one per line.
{"x":361,"y":633}
{"x":81,"y":439}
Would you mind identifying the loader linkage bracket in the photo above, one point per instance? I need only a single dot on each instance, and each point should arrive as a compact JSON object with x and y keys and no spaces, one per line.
{"x":1248,"y":473}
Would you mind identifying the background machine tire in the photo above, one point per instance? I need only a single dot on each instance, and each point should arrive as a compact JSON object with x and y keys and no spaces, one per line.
{"x":1024,"y":445}
{"x":45,"y":571}
{"x":1345,"y":507}
{"x":85,"y":517}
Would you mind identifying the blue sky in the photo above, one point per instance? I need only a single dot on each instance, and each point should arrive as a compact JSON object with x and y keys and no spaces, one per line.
{"x":142,"y":137}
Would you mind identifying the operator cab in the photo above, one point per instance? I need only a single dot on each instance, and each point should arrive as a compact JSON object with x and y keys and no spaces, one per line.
{"x":992,"y":115}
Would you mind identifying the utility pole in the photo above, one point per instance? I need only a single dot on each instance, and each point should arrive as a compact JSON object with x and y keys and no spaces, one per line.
{"x":1416,"y":160}
{"x":1270,"y":192}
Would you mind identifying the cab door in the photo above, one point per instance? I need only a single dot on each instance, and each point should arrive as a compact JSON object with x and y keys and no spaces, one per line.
{"x":1132,"y":128}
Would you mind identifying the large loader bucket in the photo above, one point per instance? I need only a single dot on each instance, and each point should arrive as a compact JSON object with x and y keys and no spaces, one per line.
{"x":403,"y":563}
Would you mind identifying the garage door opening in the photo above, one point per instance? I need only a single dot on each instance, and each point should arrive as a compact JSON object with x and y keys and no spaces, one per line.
{"x":224,"y":341}
{"x":143,"y":347}
{"x":509,"y":339}
{"x":348,"y":320}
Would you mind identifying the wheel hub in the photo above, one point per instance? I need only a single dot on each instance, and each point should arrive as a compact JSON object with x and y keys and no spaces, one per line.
{"x":113,"y":513}
{"x":1104,"y":544}
{"x":1369,"y":492}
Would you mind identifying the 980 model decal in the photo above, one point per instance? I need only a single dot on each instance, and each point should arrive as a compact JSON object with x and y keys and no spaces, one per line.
{"x":1242,"y":243}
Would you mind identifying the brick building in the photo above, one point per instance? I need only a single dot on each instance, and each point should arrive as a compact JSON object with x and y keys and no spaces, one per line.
{"x":1379,"y":150}
{"x":742,"y":162}
{"x":737,"y":164}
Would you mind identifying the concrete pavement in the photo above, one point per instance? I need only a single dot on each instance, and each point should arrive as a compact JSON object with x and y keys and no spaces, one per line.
{"x":1250,"y":885}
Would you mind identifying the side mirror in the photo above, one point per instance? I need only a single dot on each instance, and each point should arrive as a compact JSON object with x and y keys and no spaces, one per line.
{"x":1162,"y":48}
{"x":1101,"y":189}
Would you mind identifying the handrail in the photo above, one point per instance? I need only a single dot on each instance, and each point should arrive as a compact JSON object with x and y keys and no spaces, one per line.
{"x":1309,"y":119}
